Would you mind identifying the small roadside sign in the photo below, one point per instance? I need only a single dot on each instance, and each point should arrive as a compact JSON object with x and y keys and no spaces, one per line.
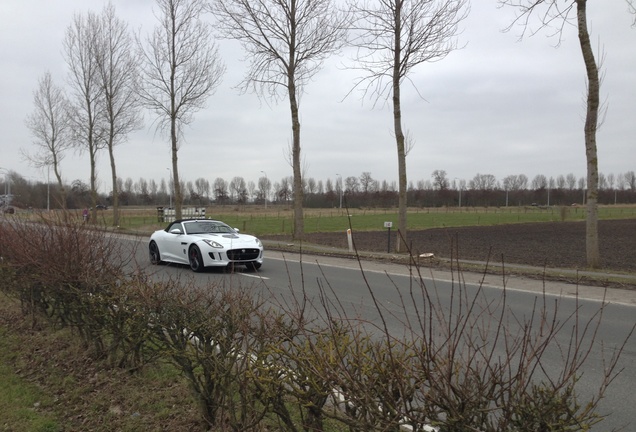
{"x":388,"y":226}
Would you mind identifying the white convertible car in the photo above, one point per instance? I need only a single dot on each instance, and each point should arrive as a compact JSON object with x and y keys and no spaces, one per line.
{"x":204,"y":243}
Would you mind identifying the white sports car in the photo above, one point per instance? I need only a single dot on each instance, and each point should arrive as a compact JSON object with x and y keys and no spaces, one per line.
{"x":204,"y":243}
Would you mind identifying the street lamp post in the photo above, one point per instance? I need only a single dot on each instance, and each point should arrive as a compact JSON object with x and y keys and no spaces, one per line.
{"x":459,"y":187}
{"x":266,"y":188}
{"x":340,"y":188}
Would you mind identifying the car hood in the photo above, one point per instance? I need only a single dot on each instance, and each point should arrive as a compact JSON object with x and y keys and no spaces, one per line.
{"x":228,"y":238}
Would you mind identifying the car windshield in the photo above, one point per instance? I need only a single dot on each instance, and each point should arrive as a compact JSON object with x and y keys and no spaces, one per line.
{"x":207,"y":227}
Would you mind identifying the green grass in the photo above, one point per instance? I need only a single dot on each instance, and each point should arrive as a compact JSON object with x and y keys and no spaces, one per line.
{"x":50,"y":383}
{"x":22,"y":404}
{"x":279,"y":219}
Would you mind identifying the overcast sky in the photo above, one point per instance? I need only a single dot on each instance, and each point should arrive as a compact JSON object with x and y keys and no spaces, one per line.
{"x":498,"y":106}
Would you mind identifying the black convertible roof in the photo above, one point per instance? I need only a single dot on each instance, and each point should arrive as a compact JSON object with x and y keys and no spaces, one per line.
{"x":194,"y":220}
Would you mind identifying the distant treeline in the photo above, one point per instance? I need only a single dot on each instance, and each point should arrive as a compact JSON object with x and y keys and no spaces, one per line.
{"x":483,"y":190}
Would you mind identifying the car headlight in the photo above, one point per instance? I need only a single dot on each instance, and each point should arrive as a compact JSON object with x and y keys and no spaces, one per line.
{"x":213,"y":244}
{"x":258,"y":242}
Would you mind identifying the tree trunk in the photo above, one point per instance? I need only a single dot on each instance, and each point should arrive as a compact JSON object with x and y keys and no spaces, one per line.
{"x":60,"y":183}
{"x":176,"y":186}
{"x":591,"y":122}
{"x":299,"y":221}
{"x":113,"y":170}
{"x":401,"y":243}
{"x":92,"y":150}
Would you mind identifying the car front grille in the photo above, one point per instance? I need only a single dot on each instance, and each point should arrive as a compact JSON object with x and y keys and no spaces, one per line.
{"x":243,"y":254}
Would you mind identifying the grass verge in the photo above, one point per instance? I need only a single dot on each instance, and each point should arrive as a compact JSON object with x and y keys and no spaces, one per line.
{"x":50,"y":383}
{"x":23,"y":405}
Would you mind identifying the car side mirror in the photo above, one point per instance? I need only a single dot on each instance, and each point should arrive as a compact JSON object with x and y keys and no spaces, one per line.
{"x":175,"y":231}
{"x":236,"y":229}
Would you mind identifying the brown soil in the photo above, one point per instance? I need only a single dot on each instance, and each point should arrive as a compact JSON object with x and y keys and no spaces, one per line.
{"x":556,"y":244}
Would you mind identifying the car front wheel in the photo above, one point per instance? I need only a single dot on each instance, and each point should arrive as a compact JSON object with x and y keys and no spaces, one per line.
{"x":155,"y":256}
{"x":195,"y":259}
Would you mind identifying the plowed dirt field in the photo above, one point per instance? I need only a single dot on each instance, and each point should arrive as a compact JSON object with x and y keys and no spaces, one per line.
{"x":556,"y":245}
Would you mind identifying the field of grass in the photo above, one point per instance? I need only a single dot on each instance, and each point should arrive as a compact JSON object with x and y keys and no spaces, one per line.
{"x":279,"y":220}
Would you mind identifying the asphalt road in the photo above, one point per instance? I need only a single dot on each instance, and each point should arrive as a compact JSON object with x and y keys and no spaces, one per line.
{"x":288,"y":275}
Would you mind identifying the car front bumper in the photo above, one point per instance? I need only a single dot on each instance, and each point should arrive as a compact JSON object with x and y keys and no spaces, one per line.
{"x":224,"y":257}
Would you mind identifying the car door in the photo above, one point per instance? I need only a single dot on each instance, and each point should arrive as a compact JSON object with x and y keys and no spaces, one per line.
{"x":175,"y":244}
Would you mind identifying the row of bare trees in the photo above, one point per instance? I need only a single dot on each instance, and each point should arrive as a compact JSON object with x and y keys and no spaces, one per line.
{"x":286,"y":43}
{"x":101,"y":106}
{"x":362,"y":191}
{"x":112,"y":75}
{"x":173,"y":73}
{"x":294,"y":362}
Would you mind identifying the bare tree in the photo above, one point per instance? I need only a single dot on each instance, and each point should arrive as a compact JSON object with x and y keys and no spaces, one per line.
{"x":202,"y":188}
{"x":311,"y":185}
{"x":611,"y":178}
{"x":251,"y":189}
{"x":621,"y":182}
{"x":366,"y":182}
{"x":181,"y":69}
{"x":49,"y":124}
{"x":264,"y":186}
{"x":483,"y":182}
{"x":554,"y":15}
{"x":118,"y":77}
{"x":154,"y":189}
{"x":87,"y":111}
{"x":539,"y":182}
{"x":144,"y":190}
{"x":392,"y":38}
{"x":515,"y":182}
{"x":440,"y":181}
{"x":220,"y":190}
{"x":283,"y":191}
{"x":630,"y":178}
{"x":238,"y":189}
{"x":129,"y":186}
{"x":286,"y":42}
{"x":352,"y":185}
{"x":321,"y":187}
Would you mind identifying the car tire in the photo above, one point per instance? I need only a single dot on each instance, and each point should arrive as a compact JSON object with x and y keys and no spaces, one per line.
{"x":153,"y":251}
{"x":253,"y":266}
{"x":195,"y":259}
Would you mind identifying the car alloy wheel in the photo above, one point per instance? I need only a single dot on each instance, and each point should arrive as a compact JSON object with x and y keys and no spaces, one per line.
{"x":196,"y":261}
